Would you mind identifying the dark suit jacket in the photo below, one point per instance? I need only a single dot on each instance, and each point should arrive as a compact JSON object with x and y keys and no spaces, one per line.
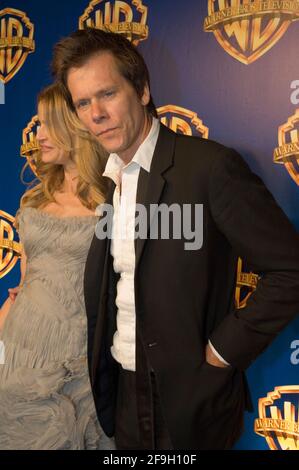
{"x":183,"y":298}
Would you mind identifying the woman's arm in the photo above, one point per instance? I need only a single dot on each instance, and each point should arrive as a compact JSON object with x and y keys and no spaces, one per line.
{"x":4,"y":310}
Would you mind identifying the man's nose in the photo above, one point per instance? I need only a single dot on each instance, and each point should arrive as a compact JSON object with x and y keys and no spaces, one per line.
{"x":98,"y":113}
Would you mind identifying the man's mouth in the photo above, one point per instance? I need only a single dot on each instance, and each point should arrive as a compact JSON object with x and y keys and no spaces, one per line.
{"x":106,"y":131}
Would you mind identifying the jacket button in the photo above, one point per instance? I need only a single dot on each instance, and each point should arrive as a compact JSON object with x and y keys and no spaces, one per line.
{"x":151,"y":345}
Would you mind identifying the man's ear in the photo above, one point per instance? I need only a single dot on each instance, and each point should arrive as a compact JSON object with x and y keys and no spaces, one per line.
{"x":145,"y":99}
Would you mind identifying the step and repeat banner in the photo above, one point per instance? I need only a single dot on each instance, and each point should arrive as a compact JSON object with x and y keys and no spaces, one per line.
{"x":221,"y":69}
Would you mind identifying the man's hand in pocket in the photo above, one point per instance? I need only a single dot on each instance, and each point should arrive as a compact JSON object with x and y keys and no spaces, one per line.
{"x":212,"y":359}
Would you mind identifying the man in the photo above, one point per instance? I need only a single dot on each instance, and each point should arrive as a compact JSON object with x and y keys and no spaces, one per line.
{"x":167,"y":348}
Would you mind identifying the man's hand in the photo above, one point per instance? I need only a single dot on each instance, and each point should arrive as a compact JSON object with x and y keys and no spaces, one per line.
{"x":212,"y":359}
{"x":13,"y":292}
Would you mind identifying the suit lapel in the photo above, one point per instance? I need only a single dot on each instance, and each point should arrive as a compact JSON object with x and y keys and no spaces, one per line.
{"x":94,"y":263}
{"x":151,"y":185}
{"x":95,"y":283}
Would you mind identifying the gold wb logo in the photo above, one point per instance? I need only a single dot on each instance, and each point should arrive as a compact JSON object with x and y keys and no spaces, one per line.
{"x":128,"y":18}
{"x":16,"y":41}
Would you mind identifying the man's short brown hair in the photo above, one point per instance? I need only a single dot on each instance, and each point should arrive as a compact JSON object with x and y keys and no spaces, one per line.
{"x":76,"y":49}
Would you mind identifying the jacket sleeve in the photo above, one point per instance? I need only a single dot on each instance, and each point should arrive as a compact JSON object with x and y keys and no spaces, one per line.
{"x":258,"y":230}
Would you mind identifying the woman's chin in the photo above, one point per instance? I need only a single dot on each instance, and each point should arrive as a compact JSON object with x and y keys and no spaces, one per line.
{"x":46,"y":159}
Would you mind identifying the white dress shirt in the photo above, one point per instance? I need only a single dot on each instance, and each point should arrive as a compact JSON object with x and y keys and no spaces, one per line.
{"x":122,"y":243}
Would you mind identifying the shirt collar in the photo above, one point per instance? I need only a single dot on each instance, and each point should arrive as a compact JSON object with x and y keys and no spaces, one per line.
{"x":143,"y":156}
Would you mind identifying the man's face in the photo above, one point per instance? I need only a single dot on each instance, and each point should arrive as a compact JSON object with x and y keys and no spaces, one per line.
{"x":109,"y":106}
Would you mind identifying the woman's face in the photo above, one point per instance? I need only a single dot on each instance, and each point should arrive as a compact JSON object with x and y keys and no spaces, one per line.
{"x":50,"y":152}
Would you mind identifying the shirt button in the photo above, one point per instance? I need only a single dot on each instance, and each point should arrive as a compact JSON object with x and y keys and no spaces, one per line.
{"x":151,"y":345}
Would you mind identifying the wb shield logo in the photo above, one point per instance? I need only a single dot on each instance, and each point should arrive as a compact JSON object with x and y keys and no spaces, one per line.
{"x":30,"y":145}
{"x":278,"y":420}
{"x":128,"y":18}
{"x":287,"y":152}
{"x":182,"y":120}
{"x":247,"y":29}
{"x":16,"y":42}
{"x":245,"y":286}
{"x":10,"y":250}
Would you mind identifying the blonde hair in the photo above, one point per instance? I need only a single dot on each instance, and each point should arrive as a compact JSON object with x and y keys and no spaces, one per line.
{"x":68,"y":133}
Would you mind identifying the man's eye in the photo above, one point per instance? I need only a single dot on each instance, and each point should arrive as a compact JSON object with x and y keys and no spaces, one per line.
{"x":82,"y":104}
{"x":109,"y":93}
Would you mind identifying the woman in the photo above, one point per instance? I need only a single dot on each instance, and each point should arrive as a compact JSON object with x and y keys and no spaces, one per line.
{"x":45,"y":395}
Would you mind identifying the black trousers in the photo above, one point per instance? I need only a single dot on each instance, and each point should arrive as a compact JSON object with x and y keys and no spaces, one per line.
{"x":139,"y":420}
